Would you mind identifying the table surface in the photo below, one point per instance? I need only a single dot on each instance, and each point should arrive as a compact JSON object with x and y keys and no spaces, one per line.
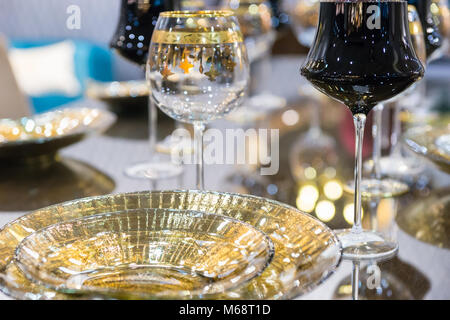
{"x":420,"y":270}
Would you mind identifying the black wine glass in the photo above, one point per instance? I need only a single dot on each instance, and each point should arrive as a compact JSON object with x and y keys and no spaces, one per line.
{"x":131,"y":41}
{"x":362,"y":55}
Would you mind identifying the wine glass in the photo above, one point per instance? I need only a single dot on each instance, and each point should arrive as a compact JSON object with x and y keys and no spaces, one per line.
{"x":430,"y":20}
{"x":388,"y":171}
{"x":304,"y":17}
{"x":396,"y":164}
{"x":198,"y":69}
{"x":255,"y":20}
{"x":131,"y":40}
{"x":362,"y":55}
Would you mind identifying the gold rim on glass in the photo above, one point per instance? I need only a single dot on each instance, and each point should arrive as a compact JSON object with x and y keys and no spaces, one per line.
{"x":184,"y":37}
{"x":197,"y":14}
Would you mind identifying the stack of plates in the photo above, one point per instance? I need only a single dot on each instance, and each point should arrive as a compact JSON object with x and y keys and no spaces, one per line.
{"x":44,"y":134}
{"x":166,"y":245}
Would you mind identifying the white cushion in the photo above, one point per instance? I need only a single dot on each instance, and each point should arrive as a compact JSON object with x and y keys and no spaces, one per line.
{"x":48,"y":69}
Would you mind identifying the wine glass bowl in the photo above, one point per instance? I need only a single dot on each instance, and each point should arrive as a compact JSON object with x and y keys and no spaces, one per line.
{"x":397,"y":167}
{"x":254,"y":16}
{"x":365,"y":66}
{"x":136,"y":22}
{"x":304,"y":16}
{"x":197,"y":65}
{"x":198,"y":69}
{"x":428,"y":11}
{"x":255,"y":20}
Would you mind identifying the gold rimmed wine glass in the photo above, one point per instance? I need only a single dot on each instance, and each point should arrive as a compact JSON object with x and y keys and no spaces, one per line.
{"x":198,"y":69}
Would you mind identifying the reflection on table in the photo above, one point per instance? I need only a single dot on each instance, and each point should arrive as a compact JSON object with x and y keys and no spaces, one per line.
{"x":47,"y":183}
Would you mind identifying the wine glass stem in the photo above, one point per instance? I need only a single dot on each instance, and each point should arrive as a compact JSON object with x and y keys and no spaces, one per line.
{"x":359,"y":121}
{"x":199,"y":128}
{"x":153,"y":125}
{"x":395,"y":130}
{"x":355,"y":280}
{"x":377,"y":134}
{"x":314,"y":127}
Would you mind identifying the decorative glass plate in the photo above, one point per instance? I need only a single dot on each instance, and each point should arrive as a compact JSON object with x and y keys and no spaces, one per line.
{"x":306,"y":251}
{"x":121,"y":96}
{"x":432,"y":142}
{"x":44,"y":134}
{"x":428,"y":219}
{"x":146,"y":254}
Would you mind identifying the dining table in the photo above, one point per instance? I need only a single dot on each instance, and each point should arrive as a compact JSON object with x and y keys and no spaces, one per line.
{"x":96,"y":165}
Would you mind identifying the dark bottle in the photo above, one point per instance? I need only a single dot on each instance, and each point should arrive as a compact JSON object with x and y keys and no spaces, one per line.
{"x":360,"y":60}
{"x":433,"y":38}
{"x":136,"y":23}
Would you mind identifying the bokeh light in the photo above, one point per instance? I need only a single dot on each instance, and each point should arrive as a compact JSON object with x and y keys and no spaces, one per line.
{"x":333,"y":190}
{"x":307,"y":197}
{"x":325,"y":210}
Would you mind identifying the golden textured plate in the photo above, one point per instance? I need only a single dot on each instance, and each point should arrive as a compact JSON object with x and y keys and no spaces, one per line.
{"x":121,"y":96}
{"x":428,"y":219}
{"x":145,"y":254}
{"x":428,"y":142}
{"x":306,"y":251}
{"x":45,"y":133}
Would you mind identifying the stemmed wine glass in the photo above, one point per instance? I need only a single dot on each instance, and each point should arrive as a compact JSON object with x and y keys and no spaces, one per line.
{"x":131,"y":40}
{"x":304,"y":17}
{"x":427,"y":46}
{"x":433,"y":36}
{"x":255,"y":20}
{"x":379,"y":185}
{"x":198,"y":69}
{"x":362,"y":55}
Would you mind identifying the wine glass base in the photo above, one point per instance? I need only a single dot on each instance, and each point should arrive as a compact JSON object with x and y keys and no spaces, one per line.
{"x":398,"y":167}
{"x":154,"y":170}
{"x":365,"y":245}
{"x":378,"y":188}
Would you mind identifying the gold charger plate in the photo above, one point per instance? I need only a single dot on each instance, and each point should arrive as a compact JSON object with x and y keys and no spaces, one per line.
{"x":44,"y":134}
{"x":146,"y":254}
{"x":423,"y":140}
{"x":428,"y":219}
{"x":306,"y":251}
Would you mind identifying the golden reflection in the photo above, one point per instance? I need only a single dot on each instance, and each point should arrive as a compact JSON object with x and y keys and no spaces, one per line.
{"x":50,"y":181}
